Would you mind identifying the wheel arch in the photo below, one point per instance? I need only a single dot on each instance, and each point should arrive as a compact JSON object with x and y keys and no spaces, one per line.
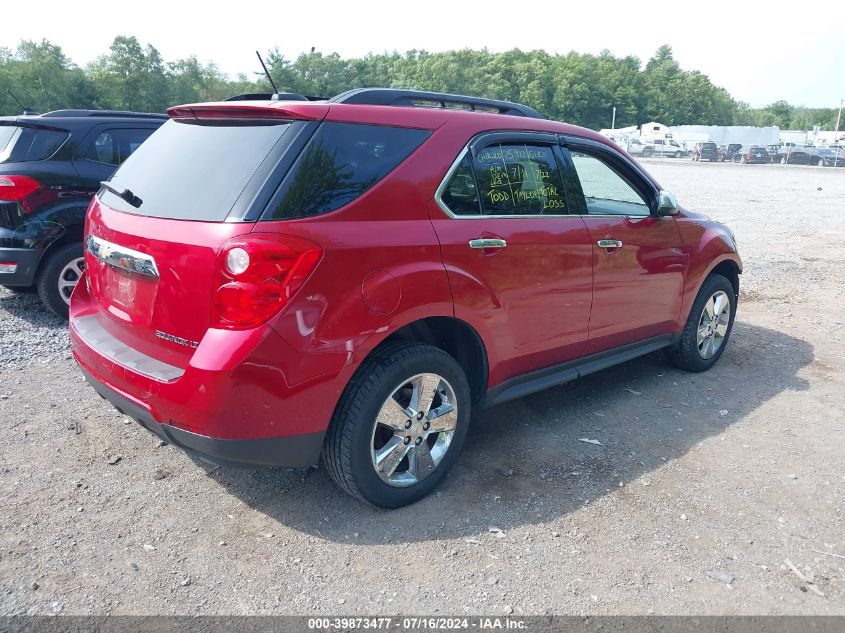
{"x":455,"y":337}
{"x":727,"y":265}
{"x":729,"y":269}
{"x":70,"y":234}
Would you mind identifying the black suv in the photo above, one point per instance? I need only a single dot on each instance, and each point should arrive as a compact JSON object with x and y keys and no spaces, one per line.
{"x":50,"y":166}
{"x":727,"y":152}
{"x":705,"y":151}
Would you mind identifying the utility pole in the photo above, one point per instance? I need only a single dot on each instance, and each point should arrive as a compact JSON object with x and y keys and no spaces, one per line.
{"x":613,"y":120}
{"x":836,"y":134}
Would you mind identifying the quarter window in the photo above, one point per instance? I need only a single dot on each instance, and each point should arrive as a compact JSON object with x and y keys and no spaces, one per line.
{"x":340,"y":163}
{"x":519,"y":179}
{"x":606,"y":191}
{"x":115,"y":146}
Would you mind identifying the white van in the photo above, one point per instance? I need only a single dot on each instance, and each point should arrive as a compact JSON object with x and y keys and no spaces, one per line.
{"x":669,"y":147}
{"x":636,"y":147}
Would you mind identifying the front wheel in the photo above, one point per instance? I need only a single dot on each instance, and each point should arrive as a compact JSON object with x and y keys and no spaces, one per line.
{"x":59,"y":274}
{"x":399,"y":426}
{"x":821,"y":162}
{"x":677,"y":154}
{"x":708,"y":326}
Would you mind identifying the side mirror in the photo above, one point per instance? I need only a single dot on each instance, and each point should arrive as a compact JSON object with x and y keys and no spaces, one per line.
{"x":667,"y":204}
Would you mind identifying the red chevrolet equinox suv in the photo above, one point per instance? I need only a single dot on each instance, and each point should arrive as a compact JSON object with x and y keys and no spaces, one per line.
{"x":277,"y":282}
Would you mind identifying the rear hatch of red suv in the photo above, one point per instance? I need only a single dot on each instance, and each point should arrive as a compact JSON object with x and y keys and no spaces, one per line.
{"x":156,"y":230}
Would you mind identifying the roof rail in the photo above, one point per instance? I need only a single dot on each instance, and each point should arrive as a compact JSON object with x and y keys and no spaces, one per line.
{"x":421,"y":98}
{"x":104,"y":113}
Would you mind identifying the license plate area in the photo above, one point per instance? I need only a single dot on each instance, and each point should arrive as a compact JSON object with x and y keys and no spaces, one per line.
{"x":128,"y":296}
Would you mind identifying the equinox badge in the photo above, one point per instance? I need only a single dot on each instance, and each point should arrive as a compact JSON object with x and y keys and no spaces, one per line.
{"x":177,"y":339}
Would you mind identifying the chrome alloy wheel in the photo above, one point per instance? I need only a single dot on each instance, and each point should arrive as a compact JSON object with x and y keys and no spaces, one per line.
{"x":713,"y":324}
{"x":69,"y":277}
{"x":413,"y":430}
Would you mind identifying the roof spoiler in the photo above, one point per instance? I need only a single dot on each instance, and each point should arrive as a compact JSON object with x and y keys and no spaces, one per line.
{"x":275,"y":96}
{"x":224,"y":111}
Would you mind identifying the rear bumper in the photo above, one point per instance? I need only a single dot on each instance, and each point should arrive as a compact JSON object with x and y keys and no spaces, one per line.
{"x":244,"y":397}
{"x":293,"y":451}
{"x":26,"y":260}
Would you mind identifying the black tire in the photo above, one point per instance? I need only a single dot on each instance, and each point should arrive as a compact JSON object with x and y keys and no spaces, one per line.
{"x":347,"y":447}
{"x":677,"y":154}
{"x":821,"y":162}
{"x":685,"y":354}
{"x":48,"y":277}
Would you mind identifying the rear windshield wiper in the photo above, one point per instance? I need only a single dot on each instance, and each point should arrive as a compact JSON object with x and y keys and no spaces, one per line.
{"x":126,"y":194}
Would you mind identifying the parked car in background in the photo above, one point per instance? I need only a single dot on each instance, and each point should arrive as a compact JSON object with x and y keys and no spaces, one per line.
{"x":794,"y":155}
{"x":823,"y":157}
{"x":269,"y":282}
{"x":773,"y":152}
{"x":751,"y":154}
{"x":669,"y":147}
{"x":50,"y":166}
{"x":706,"y":150}
{"x":726,"y":152}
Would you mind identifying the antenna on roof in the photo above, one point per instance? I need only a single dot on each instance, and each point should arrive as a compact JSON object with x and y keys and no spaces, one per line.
{"x":266,"y":72}
{"x":23,"y":107}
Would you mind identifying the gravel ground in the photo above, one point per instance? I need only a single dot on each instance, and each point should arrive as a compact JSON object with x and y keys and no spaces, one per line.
{"x":702,"y":489}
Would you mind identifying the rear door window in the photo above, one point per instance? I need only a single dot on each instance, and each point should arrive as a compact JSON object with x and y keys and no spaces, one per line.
{"x":190,"y":170}
{"x":341,"y":162}
{"x":519,"y":179}
{"x":114,"y":146}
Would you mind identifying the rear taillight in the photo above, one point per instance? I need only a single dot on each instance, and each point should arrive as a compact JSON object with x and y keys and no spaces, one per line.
{"x":257,"y":275}
{"x":16,"y":188}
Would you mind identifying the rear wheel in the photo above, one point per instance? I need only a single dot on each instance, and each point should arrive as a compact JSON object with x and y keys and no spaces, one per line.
{"x":58,"y":277}
{"x":708,"y":326}
{"x":399,"y":426}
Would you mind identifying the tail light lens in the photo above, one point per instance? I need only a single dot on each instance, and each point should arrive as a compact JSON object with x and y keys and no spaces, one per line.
{"x":257,"y":275}
{"x":15,"y":188}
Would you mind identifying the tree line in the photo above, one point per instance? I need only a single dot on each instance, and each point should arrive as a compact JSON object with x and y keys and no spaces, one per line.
{"x":578,"y":88}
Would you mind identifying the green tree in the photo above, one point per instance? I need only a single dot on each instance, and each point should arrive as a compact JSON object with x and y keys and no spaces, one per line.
{"x":132,"y":77}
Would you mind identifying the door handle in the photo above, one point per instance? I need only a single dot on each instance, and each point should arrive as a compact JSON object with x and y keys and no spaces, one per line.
{"x":610,"y":243}
{"x":487,"y":242}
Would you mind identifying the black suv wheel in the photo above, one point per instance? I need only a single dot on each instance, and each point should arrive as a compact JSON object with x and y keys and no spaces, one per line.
{"x":58,"y":276}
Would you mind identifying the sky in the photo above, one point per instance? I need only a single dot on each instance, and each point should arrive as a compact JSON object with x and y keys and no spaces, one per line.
{"x":759,"y":51}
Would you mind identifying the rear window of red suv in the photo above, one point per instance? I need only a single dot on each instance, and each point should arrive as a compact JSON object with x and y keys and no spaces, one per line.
{"x":190,"y":170}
